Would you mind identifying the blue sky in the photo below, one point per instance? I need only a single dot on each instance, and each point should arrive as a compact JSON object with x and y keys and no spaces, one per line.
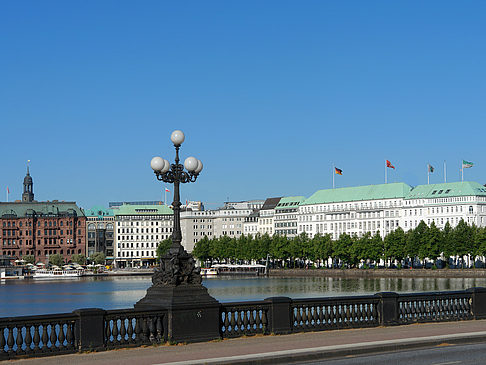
{"x":269,"y":94}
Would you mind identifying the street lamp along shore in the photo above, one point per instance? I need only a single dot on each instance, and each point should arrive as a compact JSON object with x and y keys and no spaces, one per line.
{"x":176,"y":282}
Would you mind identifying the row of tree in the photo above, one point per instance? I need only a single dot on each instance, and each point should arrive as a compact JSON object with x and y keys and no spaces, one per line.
{"x":417,"y":246}
{"x":56,"y":259}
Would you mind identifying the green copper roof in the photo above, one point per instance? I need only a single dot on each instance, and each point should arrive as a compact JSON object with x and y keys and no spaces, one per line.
{"x":98,"y":211}
{"x":357,"y":193}
{"x":128,"y":209}
{"x":446,"y":190}
{"x":53,"y":208}
{"x":290,"y":202}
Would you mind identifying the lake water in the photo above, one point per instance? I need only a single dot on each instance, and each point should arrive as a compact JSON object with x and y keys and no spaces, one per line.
{"x":29,"y":297}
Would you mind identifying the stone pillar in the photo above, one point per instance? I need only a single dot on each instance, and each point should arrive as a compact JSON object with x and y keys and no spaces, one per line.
{"x":280,"y":319}
{"x":388,"y":308}
{"x":90,"y":329}
{"x":192,"y":314}
{"x":478,"y":302}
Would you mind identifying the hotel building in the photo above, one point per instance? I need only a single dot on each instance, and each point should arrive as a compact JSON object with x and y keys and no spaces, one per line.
{"x":385,"y":207}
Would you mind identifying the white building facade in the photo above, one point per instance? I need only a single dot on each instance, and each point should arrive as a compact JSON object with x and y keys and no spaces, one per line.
{"x":385,"y":207}
{"x":266,"y":220}
{"x":286,"y":216}
{"x":138,"y":231}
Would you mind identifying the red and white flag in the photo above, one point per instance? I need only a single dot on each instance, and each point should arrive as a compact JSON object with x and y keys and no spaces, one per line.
{"x":389,"y":164}
{"x":8,"y":190}
{"x":167,"y":190}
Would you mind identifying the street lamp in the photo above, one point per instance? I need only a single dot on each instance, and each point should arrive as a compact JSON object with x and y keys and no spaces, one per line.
{"x":176,"y":283}
{"x":175,"y":174}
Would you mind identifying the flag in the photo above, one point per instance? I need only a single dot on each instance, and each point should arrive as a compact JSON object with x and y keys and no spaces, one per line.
{"x":430,"y":168}
{"x":8,"y":190}
{"x":466,"y":164}
{"x":338,"y":171}
{"x":167,"y":190}
{"x":389,"y":164}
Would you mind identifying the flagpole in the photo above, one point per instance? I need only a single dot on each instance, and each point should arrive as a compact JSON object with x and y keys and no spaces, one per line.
{"x":445,"y":172}
{"x":386,"y":173}
{"x":333,"y":173}
{"x":428,"y":174}
{"x":165,"y":195}
{"x":462,"y":172}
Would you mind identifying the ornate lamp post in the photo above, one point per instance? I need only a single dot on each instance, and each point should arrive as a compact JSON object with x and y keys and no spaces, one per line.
{"x":176,"y":283}
{"x":175,"y":174}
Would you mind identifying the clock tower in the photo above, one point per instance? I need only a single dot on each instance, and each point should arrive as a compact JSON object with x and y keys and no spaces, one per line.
{"x":28,"y":194}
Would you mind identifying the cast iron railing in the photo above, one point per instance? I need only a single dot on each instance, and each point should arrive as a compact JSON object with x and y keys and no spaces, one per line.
{"x":124,"y":328}
{"x":334,"y":313}
{"x":37,"y":335}
{"x":97,"y":329}
{"x":435,"y":307}
{"x":243,"y":319}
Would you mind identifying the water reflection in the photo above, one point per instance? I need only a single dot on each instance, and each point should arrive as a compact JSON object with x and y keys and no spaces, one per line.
{"x":26,"y":297}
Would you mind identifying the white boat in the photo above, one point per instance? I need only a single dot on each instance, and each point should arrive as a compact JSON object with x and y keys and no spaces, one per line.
{"x":231,"y":269}
{"x":57,"y":274}
{"x":210,"y":271}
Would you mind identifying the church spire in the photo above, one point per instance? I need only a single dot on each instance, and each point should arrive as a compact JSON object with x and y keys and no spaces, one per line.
{"x":28,"y":194}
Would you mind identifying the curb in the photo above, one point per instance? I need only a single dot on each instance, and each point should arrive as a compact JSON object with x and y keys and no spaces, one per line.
{"x":330,"y":352}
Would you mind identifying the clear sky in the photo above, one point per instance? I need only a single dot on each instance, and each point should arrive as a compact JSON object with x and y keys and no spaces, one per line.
{"x":269,"y":94}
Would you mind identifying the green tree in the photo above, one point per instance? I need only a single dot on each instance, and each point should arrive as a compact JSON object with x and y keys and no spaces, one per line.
{"x":56,"y":259}
{"x":342,"y":248}
{"x":201,"y":249}
{"x":29,"y":259}
{"x":461,"y":240}
{"x":79,"y":259}
{"x":278,"y":248}
{"x":481,"y":240}
{"x":394,"y":244}
{"x":416,"y":241}
{"x":98,"y":258}
{"x":163,"y":247}
{"x":447,"y":246}
{"x":376,"y":247}
{"x":432,"y":242}
{"x":362,"y":247}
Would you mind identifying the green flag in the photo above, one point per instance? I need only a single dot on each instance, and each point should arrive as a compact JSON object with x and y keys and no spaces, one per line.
{"x":466,"y":164}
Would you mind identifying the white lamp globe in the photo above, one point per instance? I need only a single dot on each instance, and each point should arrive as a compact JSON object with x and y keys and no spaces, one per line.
{"x":199,"y":167}
{"x":177,"y":137}
{"x":157,"y":163}
{"x":190,"y":164}
{"x":166,"y":166}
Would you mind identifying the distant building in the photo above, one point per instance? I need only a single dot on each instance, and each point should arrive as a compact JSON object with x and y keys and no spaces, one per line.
{"x":250,"y":225}
{"x":226,"y":221}
{"x":266,"y":222}
{"x":100,"y":229}
{"x":385,"y":207}
{"x":286,"y":216}
{"x":193,"y":205}
{"x":138,"y":231}
{"x":41,"y":229}
{"x":115,"y":205}
{"x":195,"y":225}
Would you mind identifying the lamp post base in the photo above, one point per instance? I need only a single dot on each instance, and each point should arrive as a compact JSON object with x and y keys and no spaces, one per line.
{"x":193,"y":314}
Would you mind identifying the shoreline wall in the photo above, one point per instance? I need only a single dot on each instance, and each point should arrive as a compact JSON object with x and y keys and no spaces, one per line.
{"x":380,"y":273}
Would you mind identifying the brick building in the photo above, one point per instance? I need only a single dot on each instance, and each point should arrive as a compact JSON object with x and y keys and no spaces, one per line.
{"x":41,"y":229}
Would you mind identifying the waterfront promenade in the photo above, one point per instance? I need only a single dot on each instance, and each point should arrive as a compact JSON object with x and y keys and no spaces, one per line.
{"x":286,"y":348}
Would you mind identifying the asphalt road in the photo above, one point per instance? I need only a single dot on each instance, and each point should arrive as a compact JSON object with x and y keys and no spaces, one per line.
{"x":439,"y":355}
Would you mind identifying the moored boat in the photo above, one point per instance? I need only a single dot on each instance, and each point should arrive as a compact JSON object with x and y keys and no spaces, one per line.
{"x":231,"y":269}
{"x":57,"y":274}
{"x":208,"y":272}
